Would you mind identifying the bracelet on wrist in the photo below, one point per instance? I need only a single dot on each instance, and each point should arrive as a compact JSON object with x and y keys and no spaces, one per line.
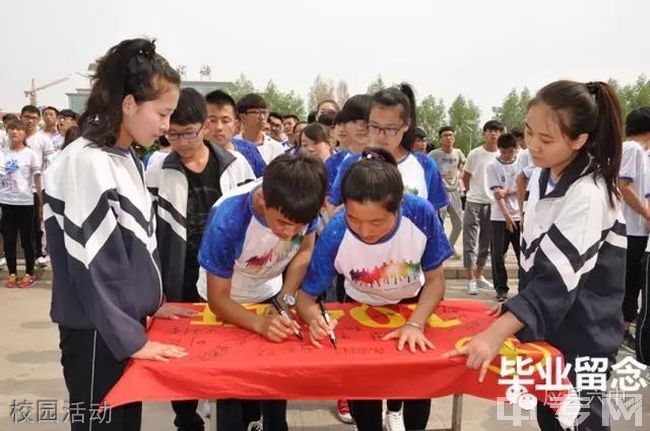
{"x":415,"y":325}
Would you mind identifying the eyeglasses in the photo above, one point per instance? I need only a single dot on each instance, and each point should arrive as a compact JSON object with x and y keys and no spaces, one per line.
{"x":185,"y":135}
{"x":387,"y":131}
{"x":29,"y":117}
{"x":261,"y":112}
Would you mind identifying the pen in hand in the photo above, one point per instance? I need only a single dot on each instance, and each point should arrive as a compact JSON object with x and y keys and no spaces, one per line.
{"x":326,"y":316}
{"x":280,"y":309}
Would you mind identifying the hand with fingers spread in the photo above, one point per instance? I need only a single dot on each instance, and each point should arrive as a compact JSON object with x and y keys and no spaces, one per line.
{"x":480,"y":352}
{"x":155,"y":351}
{"x":411,"y":334}
{"x":319,"y":329}
{"x":277,"y":328}
{"x":174,"y":312}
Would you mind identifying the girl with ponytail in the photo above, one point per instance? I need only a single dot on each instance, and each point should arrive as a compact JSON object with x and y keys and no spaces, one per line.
{"x":391,"y":126}
{"x":573,"y":242}
{"x":100,"y":231}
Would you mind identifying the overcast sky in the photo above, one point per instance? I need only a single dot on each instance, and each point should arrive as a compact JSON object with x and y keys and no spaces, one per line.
{"x":481,"y":49}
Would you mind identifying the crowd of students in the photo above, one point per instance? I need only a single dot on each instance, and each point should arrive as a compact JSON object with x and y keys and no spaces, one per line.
{"x":230,"y":213}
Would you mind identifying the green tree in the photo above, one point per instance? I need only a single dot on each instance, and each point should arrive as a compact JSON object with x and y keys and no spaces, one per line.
{"x":464,"y":117}
{"x":376,"y":85}
{"x":243,"y":86}
{"x":322,"y":89}
{"x":431,"y":116}
{"x":632,"y":96}
{"x":512,"y":112}
{"x":283,"y":103}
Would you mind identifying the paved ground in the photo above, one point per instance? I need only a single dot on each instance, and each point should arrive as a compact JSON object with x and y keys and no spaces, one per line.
{"x":30,"y":370}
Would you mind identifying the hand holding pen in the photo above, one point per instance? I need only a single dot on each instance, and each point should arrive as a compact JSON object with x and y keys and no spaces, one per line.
{"x":285,"y":315}
{"x":321,"y":327}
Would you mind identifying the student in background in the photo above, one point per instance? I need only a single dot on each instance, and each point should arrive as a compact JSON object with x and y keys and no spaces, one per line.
{"x":476,"y":218}
{"x":380,"y":227}
{"x":504,"y":214}
{"x":21,"y":172}
{"x":252,"y":113}
{"x":450,"y":162}
{"x":314,"y":142}
{"x":573,"y":246}
{"x":632,"y":179}
{"x":391,"y":126}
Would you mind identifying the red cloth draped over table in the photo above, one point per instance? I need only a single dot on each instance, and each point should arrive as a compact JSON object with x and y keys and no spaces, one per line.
{"x":227,"y":362}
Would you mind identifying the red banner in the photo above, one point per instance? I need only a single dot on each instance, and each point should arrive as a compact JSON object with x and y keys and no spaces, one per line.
{"x":227,"y":362}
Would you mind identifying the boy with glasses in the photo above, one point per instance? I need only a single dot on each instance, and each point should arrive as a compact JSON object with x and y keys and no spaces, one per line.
{"x":253,"y":114}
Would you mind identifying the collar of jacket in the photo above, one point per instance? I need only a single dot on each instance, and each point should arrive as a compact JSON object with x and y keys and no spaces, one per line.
{"x":224,"y":158}
{"x":580,"y":166}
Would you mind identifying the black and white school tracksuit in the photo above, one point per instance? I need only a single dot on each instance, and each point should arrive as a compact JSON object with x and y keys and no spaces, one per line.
{"x":100,"y":230}
{"x":573,"y":260}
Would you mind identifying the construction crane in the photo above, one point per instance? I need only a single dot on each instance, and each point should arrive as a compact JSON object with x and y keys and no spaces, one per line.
{"x":32,"y":93}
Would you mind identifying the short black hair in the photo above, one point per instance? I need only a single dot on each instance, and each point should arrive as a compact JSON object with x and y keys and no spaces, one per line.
{"x":220,"y":98}
{"x":9,"y":117}
{"x":374,"y":178}
{"x":295,"y":186}
{"x":517,"y":132}
{"x":326,"y":119}
{"x":493,"y":125}
{"x":507,"y":140}
{"x":355,"y":108}
{"x":316,"y":132}
{"x":420,"y":132}
{"x":311,"y":117}
{"x":191,"y":108}
{"x":637,"y":121}
{"x":68,"y":113}
{"x":51,"y":108}
{"x":250,"y":101}
{"x":30,"y":109}
{"x":295,"y":117}
{"x":274,"y":115}
{"x":444,"y":129}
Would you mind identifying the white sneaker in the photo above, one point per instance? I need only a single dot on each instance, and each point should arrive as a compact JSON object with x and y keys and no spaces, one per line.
{"x":472,"y":289}
{"x":255,"y":426}
{"x":42,"y":261}
{"x":394,"y":421}
{"x":3,"y":263}
{"x":483,"y":283}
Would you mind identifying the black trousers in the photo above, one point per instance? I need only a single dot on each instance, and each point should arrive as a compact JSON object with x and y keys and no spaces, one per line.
{"x":235,"y":415}
{"x":90,"y":370}
{"x":367,"y":414}
{"x":18,"y":219}
{"x":502,"y":238}
{"x":187,"y":419}
{"x":643,"y":320}
{"x":38,"y":231}
{"x":633,"y":276}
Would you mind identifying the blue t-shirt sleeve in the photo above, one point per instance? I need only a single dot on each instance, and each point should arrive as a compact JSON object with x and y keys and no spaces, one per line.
{"x":252,"y":154}
{"x":335,"y":197}
{"x":437,"y":248}
{"x":332,"y":164}
{"x":321,"y":269}
{"x":436,"y":193}
{"x":219,"y":245}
